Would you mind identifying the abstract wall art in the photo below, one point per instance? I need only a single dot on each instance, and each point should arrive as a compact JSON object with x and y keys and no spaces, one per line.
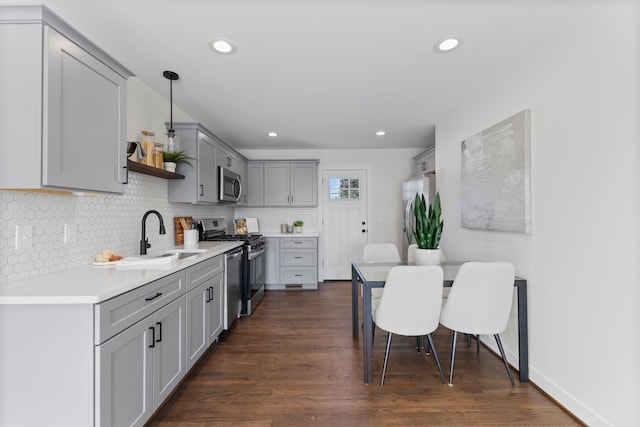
{"x":496,"y":187}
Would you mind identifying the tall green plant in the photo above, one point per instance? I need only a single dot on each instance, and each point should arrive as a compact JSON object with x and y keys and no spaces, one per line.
{"x":428,"y":229}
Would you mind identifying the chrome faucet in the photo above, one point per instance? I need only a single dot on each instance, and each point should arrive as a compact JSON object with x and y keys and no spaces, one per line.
{"x":144,"y":243}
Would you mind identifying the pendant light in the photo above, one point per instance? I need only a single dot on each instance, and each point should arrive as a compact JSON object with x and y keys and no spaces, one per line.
{"x":172,"y":143}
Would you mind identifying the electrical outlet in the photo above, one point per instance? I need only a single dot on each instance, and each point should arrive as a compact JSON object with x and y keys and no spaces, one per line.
{"x":24,"y":237}
{"x":70,"y":234}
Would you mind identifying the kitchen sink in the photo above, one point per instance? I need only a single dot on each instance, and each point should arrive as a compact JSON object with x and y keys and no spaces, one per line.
{"x":184,"y":253}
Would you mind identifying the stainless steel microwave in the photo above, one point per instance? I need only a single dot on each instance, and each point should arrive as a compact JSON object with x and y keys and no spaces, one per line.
{"x":230,"y":186}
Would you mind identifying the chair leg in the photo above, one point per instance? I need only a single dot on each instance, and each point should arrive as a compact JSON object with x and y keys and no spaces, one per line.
{"x":478,"y":344}
{"x":435,"y":356}
{"x":386,"y":358}
{"x":453,"y":357}
{"x":504,"y":359}
{"x":418,"y":344}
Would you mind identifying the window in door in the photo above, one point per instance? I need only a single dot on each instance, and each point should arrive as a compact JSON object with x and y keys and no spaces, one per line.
{"x":344,"y":189}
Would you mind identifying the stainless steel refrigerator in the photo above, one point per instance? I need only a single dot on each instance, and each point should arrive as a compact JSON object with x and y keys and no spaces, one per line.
{"x":423,"y":184}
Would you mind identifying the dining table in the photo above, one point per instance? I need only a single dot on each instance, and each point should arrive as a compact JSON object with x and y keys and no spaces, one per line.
{"x":374,"y":275}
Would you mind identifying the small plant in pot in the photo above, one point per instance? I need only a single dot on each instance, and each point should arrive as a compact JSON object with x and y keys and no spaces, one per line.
{"x":173,"y":158}
{"x":428,"y":230}
{"x":297,"y":226}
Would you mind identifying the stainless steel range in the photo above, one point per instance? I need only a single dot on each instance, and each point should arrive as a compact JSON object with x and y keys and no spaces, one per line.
{"x":253,"y":261}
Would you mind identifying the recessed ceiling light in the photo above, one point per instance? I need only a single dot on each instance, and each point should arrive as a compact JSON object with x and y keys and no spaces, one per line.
{"x":381,"y":133}
{"x":221,"y":45}
{"x":447,"y":44}
{"x":272,"y":134}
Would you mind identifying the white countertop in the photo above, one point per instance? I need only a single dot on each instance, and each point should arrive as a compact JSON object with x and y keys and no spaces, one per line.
{"x":294,"y":235}
{"x":91,"y":284}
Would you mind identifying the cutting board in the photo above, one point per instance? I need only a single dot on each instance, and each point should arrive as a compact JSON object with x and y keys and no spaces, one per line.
{"x":179,"y":229}
{"x":252,"y":225}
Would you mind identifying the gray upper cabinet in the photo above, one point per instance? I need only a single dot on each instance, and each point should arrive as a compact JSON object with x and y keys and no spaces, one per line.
{"x":255,"y":183}
{"x":426,"y":162}
{"x":62,"y":109}
{"x":291,"y":183}
{"x":200,"y":181}
{"x":227,"y":159}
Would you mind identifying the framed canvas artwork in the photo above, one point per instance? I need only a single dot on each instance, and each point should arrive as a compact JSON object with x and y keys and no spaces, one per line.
{"x":495,"y":177}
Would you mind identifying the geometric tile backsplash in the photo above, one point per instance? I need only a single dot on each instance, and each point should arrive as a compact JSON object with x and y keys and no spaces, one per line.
{"x":107,"y":222}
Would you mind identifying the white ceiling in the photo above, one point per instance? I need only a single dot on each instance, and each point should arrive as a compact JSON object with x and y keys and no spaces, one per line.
{"x":321,"y":73}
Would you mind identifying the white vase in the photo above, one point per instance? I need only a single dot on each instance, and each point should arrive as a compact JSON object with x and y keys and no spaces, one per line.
{"x":428,"y":256}
{"x":297,"y":229}
{"x":169,"y":166}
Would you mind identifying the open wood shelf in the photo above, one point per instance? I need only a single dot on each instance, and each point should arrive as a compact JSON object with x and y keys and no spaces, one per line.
{"x":150,"y":170}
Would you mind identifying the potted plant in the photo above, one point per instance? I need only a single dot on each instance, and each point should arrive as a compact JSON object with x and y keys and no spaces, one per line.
{"x":172,"y":158}
{"x":297,"y":226}
{"x":428,"y":230}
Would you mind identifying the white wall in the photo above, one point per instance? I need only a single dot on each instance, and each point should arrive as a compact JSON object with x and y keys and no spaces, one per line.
{"x":581,"y":259}
{"x":148,"y":110}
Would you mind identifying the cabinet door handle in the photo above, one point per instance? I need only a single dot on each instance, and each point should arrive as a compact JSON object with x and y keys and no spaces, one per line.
{"x":211,"y":290}
{"x":159,"y":324}
{"x":153,"y":337}
{"x":201,"y":190}
{"x":153,"y":297}
{"x":126,"y":174}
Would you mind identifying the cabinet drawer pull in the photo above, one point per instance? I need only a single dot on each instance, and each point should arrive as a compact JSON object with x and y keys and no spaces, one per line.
{"x":153,"y":337}
{"x":298,"y":257}
{"x":153,"y":297}
{"x":298,"y":243}
{"x":298,"y":275}
{"x":159,"y":324}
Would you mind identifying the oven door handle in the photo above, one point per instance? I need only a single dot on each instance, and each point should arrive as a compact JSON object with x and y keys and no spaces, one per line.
{"x":256,"y":254}
{"x":235,"y":254}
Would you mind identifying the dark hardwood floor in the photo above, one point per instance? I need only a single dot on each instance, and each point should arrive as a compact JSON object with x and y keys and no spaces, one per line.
{"x":294,"y":362}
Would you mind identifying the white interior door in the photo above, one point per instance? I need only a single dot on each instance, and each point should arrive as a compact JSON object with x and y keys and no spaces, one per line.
{"x":345,"y":224}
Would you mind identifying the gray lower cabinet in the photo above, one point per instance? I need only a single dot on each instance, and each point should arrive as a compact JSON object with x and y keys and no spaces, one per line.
{"x":272,"y":263}
{"x":139,"y":367}
{"x":111,"y":363}
{"x":63,"y":106}
{"x":297,"y":263}
{"x":205,"y":299}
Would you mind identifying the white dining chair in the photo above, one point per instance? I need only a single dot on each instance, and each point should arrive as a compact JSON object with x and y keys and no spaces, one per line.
{"x":410,"y":305}
{"x":479,"y":303}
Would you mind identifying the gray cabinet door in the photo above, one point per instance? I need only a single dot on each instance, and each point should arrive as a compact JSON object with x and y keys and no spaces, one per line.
{"x":197,"y":301}
{"x":215,"y":310}
{"x":85,"y":119}
{"x":277,"y":181}
{"x":255,"y":184}
{"x":207,"y":177}
{"x":304,"y":187}
{"x":200,"y":181}
{"x":124,"y":377}
{"x":169,"y":351}
{"x":272,"y":262}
